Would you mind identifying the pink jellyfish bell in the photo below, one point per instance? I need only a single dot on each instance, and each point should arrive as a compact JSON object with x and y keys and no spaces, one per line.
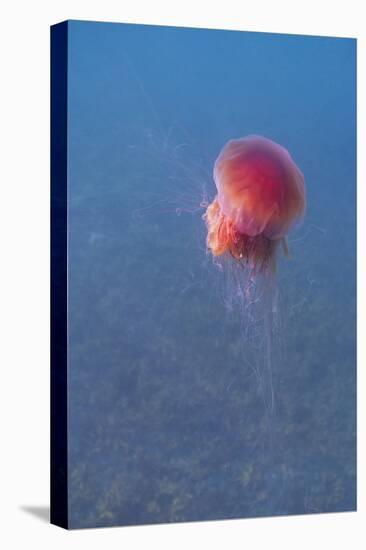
{"x":260,"y":195}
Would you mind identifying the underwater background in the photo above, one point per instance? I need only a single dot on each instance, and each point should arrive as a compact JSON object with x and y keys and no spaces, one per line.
{"x":165,"y":416}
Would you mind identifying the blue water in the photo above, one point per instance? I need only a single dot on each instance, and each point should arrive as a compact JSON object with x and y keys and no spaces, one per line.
{"x":166,"y":419}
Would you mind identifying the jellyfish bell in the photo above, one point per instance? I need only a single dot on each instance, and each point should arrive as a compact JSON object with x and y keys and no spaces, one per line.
{"x":260,"y":196}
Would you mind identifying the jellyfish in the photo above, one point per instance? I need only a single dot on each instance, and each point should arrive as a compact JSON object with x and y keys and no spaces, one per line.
{"x":260,"y":196}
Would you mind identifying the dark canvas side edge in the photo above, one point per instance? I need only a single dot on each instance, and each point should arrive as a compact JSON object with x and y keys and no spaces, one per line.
{"x":59,"y":86}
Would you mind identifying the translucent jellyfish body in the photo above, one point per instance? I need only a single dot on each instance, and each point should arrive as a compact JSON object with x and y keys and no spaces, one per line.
{"x":260,"y":195}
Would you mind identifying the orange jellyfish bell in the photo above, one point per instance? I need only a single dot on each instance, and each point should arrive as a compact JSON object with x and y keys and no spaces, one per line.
{"x":260,"y":195}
